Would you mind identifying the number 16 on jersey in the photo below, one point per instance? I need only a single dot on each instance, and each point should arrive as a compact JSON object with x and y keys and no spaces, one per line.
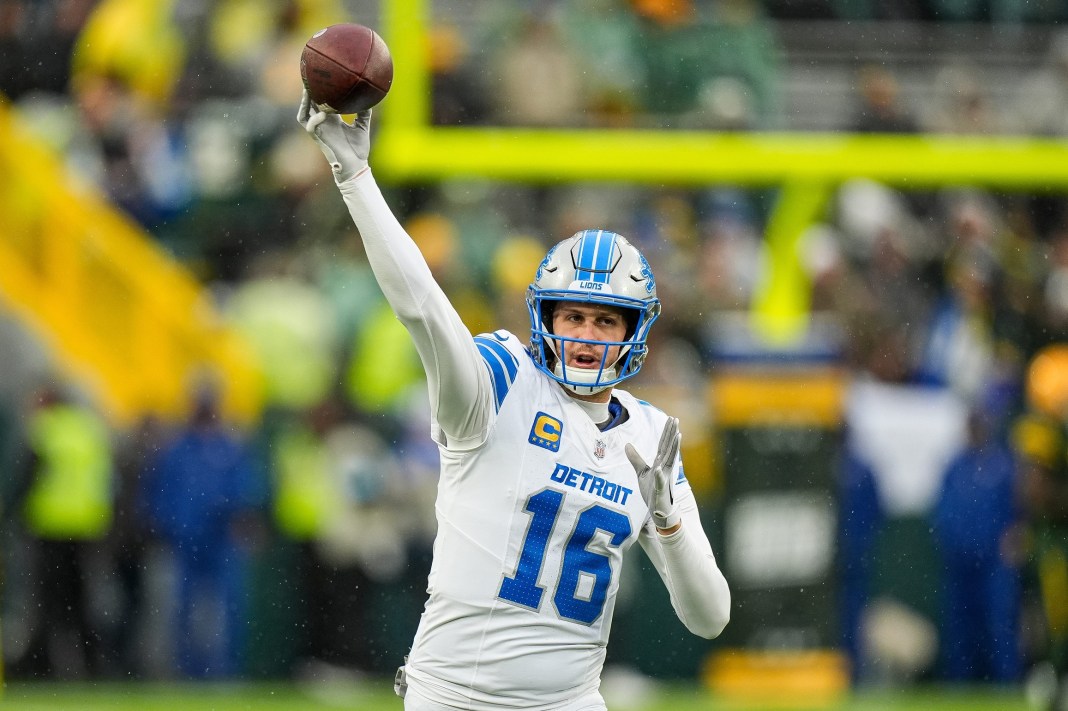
{"x":579,"y":561}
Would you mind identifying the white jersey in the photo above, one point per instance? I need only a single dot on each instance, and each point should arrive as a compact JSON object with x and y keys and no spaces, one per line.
{"x":532,"y":528}
{"x":536,"y":506}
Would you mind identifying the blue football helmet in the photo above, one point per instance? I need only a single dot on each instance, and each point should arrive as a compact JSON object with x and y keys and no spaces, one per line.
{"x":595,"y":267}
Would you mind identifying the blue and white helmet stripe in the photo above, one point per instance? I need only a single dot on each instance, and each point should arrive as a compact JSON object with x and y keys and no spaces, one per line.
{"x":596,"y":256}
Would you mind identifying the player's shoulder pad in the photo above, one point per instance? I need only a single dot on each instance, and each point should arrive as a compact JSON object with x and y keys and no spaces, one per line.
{"x":504,"y":338}
{"x":503,"y":355}
{"x":501,"y":336}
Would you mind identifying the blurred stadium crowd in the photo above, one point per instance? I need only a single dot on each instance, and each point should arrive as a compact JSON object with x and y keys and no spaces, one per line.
{"x":224,"y":552}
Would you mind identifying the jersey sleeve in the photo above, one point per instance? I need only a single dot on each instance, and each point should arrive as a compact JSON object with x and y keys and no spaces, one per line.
{"x":685,"y":562}
{"x":463,"y":399}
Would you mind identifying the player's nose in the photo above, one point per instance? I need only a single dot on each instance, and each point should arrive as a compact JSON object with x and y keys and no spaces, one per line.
{"x":588,"y":330}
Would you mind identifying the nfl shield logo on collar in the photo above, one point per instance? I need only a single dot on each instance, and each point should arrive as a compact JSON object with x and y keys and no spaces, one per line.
{"x":598,"y":449}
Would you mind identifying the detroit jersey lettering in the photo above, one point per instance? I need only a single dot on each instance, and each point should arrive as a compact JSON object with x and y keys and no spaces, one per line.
{"x":532,"y":529}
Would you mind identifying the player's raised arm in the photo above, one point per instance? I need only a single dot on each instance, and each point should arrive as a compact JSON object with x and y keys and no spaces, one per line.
{"x":461,"y":394}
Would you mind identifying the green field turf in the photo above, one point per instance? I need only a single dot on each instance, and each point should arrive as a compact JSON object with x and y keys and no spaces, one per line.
{"x":377,"y":696}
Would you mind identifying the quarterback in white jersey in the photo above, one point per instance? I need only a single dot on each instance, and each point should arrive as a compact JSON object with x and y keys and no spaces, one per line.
{"x":548,"y":472}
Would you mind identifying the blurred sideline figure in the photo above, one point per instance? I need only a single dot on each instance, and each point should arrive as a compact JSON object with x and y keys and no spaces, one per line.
{"x":203,"y":503}
{"x":130,"y":546}
{"x":548,"y":474}
{"x":859,"y":527}
{"x":66,"y":507}
{"x":305,"y":497}
{"x":975,"y":521}
{"x":1041,"y":439}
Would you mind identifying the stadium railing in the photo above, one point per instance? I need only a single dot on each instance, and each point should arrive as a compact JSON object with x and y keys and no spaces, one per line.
{"x":118,"y":313}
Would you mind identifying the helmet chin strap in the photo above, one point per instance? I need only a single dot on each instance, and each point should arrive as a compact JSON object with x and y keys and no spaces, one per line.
{"x":579,"y":375}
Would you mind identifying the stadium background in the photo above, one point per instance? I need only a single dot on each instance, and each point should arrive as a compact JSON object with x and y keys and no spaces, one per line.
{"x":854,"y":208}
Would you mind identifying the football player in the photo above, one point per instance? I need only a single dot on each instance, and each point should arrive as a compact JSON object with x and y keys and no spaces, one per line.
{"x":1040,"y":437}
{"x":548,"y":472}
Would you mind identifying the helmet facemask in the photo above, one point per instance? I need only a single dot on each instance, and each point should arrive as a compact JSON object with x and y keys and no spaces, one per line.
{"x":601,"y":269}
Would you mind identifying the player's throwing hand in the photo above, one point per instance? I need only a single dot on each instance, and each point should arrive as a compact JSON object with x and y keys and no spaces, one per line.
{"x":346,"y":146}
{"x":656,"y":481}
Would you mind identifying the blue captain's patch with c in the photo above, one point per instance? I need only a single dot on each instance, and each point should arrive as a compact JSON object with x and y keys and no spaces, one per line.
{"x":546,"y":432}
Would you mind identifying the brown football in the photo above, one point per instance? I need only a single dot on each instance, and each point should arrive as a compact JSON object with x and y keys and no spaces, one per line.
{"x":346,"y":68}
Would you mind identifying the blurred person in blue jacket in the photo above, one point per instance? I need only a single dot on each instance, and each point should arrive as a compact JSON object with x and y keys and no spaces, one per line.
{"x":975,"y":522}
{"x":204,"y":501}
{"x":861,"y":520}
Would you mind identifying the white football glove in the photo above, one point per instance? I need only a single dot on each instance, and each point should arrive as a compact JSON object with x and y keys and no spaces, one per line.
{"x":656,"y":481}
{"x":345,"y":145}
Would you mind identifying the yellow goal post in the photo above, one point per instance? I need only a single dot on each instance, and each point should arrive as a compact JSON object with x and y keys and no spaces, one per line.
{"x":807,"y":167}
